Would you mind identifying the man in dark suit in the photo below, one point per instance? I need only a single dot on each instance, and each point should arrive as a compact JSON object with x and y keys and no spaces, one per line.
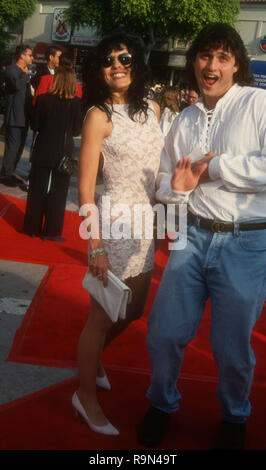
{"x":17,"y":113}
{"x":52,"y":55}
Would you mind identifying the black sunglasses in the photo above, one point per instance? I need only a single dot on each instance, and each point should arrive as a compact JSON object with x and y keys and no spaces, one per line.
{"x":125,"y":59}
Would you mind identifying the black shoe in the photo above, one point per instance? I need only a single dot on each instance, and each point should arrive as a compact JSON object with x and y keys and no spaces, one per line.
{"x":9,"y":181}
{"x":231,"y":436}
{"x":33,"y":235}
{"x":15,"y":178}
{"x":24,"y":187}
{"x":152,"y":428}
{"x":54,"y":239}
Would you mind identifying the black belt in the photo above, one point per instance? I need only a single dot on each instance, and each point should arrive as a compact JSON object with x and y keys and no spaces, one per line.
{"x":220,"y":226}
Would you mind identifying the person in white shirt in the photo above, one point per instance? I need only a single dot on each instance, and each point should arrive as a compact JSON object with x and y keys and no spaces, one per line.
{"x":225,"y":254}
{"x":169,"y":107}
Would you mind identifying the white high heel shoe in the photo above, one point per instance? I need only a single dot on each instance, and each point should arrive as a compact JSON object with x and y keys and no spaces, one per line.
{"x":108,"y":428}
{"x":103,"y":382}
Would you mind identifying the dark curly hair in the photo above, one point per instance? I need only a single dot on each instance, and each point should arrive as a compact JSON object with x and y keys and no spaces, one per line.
{"x":97,"y":92}
{"x":214,"y":36}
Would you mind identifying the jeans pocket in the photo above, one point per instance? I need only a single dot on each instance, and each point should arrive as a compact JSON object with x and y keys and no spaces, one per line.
{"x":253,"y":241}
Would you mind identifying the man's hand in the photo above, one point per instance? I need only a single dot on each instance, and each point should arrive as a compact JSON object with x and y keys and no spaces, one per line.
{"x":204,"y":177}
{"x":206,"y":159}
{"x":184,"y":178}
{"x":188,"y":175}
{"x":24,"y":68}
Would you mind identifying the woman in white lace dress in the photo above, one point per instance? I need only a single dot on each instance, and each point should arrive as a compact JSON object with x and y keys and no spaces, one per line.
{"x":121,"y":134}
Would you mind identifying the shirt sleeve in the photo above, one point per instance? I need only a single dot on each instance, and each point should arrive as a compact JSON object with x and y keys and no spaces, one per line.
{"x":79,"y":90}
{"x":169,"y":159}
{"x":244,"y":173}
{"x":44,"y":86}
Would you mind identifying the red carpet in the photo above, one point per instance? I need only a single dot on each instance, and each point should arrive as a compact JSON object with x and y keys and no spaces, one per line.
{"x":49,"y":334}
{"x":46,"y":420}
{"x":50,"y":330}
{"x":16,"y":246}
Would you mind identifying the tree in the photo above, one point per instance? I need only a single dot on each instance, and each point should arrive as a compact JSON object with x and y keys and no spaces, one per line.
{"x":153,"y":21}
{"x":13,"y":13}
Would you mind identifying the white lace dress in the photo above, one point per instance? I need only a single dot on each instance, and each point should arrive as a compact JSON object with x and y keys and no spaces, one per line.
{"x":131,"y":162}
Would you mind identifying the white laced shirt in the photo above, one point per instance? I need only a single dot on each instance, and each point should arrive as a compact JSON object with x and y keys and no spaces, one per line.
{"x":236,"y":133}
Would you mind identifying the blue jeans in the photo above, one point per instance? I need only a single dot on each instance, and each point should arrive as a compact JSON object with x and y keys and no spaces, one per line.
{"x":230,"y":269}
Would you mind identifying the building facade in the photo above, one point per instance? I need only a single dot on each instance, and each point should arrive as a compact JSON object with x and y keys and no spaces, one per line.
{"x":251,"y":26}
{"x":42,"y":27}
{"x":47,"y":25}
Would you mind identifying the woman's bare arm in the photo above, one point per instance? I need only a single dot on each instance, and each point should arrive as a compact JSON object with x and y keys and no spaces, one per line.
{"x":95,"y":128}
{"x":156,"y":109}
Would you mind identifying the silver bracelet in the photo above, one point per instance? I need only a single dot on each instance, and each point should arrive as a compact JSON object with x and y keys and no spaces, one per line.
{"x":97,"y":251}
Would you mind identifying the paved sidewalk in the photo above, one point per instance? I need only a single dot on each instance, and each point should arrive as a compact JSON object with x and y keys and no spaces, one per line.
{"x":18,"y":285}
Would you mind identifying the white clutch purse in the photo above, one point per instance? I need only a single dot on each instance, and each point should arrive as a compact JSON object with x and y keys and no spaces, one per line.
{"x":114,"y":298}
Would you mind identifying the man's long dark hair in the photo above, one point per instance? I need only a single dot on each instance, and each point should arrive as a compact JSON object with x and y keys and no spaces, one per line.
{"x":214,"y":36}
{"x":97,"y":92}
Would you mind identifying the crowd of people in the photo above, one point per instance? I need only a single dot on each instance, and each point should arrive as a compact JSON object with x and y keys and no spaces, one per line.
{"x":172,"y":100}
{"x":143,"y":144}
{"x":50,"y":103}
{"x":22,"y":84}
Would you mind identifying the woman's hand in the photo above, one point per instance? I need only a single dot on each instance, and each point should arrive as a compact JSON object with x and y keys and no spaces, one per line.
{"x":98,"y":266}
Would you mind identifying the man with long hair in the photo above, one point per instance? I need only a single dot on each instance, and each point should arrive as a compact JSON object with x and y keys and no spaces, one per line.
{"x":225,"y":254}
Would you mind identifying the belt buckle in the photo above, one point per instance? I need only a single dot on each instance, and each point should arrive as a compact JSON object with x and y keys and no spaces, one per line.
{"x":217,"y":227}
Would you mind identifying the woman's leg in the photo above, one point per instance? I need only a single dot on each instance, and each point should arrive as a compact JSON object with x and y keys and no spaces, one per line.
{"x":90,"y":348}
{"x":140,"y":288}
{"x":97,"y":334}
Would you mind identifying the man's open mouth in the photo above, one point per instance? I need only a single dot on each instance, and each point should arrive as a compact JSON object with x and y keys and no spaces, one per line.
{"x":209,"y":79}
